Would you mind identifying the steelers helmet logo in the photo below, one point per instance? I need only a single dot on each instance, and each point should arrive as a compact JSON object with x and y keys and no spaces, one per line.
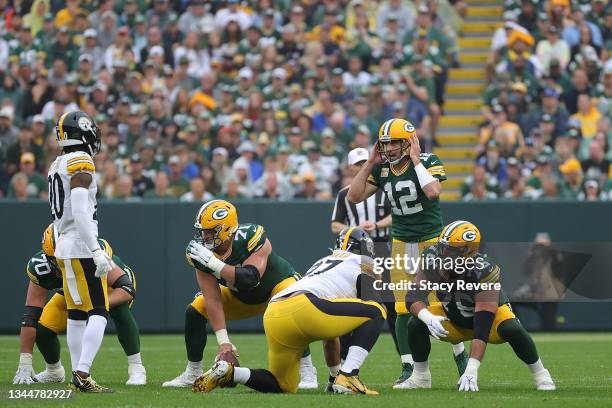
{"x":220,"y":213}
{"x":469,"y":236}
{"x":408,"y":127}
{"x":84,"y":124}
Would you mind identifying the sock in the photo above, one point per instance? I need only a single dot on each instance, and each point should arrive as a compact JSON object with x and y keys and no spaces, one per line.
{"x":333,"y":371}
{"x":134,"y":359}
{"x":354,"y":359}
{"x":536,"y":367}
{"x":195,"y":334}
{"x":127,"y":329}
{"x":458,"y":348}
{"x":401,"y":334}
{"x":306,"y":361}
{"x":241,"y":375}
{"x":263,"y":381}
{"x":407,"y":359}
{"x":74,"y":338}
{"x":194,"y":366}
{"x":54,"y":366}
{"x":92,"y":339}
{"x":421,"y":367}
{"x":48,"y":344}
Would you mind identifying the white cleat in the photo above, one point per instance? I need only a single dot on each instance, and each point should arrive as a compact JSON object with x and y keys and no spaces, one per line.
{"x":544,"y":381}
{"x":137,"y":375}
{"x":308,"y":378}
{"x":416,"y":380}
{"x":56,"y":375}
{"x":186,"y":379}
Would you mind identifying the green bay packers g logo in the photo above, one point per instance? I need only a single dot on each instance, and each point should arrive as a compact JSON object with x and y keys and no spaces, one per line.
{"x":220,"y":213}
{"x":408,"y":127}
{"x":469,"y":236}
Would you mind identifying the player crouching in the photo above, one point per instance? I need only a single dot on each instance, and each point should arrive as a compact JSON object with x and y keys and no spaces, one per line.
{"x":335,"y":297}
{"x":481,"y":315}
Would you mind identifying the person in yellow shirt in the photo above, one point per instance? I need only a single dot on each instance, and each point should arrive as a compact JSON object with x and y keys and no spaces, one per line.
{"x":66,"y":16}
{"x":588,"y":115}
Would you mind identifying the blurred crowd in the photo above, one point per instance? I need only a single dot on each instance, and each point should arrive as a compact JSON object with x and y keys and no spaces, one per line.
{"x":548,"y":104}
{"x":234,"y":99}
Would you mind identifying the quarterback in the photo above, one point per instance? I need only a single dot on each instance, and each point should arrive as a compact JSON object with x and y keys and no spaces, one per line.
{"x":238,"y":273}
{"x":41,"y":323}
{"x":333,"y":299}
{"x":412,"y":181}
{"x":81,"y":259}
{"x":480,"y":315}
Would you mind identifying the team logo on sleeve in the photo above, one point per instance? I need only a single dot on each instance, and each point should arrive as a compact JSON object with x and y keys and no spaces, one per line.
{"x":219,"y":213}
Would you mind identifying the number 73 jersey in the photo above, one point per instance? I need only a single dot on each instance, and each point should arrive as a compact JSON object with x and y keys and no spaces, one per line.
{"x":414,"y":217}
{"x":68,"y":242}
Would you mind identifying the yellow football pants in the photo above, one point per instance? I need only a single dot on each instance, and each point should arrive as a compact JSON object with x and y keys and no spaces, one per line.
{"x":55,"y":314}
{"x":235,"y":309}
{"x":412,"y":250}
{"x":457,"y":334}
{"x":291,"y":324}
{"x":83,"y":291}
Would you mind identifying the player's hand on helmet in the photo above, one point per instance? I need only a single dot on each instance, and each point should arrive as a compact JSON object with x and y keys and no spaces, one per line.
{"x":415,"y":149}
{"x":199,"y":253}
{"x":24,"y":375}
{"x":103,"y":263}
{"x":468,"y":381}
{"x":375,"y":156}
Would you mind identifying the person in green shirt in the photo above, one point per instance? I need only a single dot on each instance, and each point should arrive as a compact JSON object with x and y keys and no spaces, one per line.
{"x":37,"y":184}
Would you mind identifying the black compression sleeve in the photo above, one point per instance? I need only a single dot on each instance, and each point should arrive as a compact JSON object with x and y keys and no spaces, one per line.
{"x":483,"y":320}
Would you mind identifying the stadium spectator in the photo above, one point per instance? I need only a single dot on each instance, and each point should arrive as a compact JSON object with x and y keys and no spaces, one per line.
{"x":197,"y":191}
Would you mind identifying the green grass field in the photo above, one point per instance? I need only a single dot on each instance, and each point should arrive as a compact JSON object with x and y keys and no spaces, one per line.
{"x":580,"y":364}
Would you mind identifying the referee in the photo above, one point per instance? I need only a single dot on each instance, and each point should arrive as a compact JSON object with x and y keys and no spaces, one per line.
{"x":373,"y":215}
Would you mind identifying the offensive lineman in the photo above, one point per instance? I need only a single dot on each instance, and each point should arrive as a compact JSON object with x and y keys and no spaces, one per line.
{"x":83,"y":263}
{"x":238,"y":273}
{"x":481,"y":313}
{"x":335,"y":297}
{"x":412,"y":181}
{"x":42,"y":322}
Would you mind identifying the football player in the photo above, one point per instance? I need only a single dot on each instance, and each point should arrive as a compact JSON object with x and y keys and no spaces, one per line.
{"x":480,"y":313}
{"x":412,"y":181}
{"x":41,"y":323}
{"x":335,"y":297}
{"x":238,"y":272}
{"x":81,"y":259}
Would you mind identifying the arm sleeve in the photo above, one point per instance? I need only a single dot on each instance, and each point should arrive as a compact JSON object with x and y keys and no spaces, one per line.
{"x":78,"y":200}
{"x":339,"y":213}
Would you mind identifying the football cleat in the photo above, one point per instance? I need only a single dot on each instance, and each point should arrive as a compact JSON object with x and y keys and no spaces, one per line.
{"x":346,"y":384}
{"x":57,"y":375}
{"x":185,"y":379}
{"x":219,"y":375}
{"x":406,"y":373}
{"x":461,"y":360}
{"x":416,"y":380}
{"x":544,"y":381}
{"x":137,"y":375}
{"x":87,"y":384}
{"x":308,"y":378}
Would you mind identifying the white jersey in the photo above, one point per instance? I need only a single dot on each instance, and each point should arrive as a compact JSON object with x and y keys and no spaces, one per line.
{"x":332,"y":277}
{"x":69,"y":245}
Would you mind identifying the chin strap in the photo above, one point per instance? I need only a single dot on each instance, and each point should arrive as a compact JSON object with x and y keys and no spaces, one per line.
{"x":397,"y":161}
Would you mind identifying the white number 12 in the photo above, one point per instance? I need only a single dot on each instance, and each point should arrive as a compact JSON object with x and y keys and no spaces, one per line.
{"x":404,"y":200}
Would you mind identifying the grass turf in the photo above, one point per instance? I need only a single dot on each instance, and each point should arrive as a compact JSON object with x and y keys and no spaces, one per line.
{"x":579,"y":363}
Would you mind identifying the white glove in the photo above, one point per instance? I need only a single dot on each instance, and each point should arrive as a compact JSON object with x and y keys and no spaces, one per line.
{"x":103,"y":263}
{"x":25,"y":373}
{"x":434,"y":323}
{"x":205,"y":257}
{"x":469,"y":379}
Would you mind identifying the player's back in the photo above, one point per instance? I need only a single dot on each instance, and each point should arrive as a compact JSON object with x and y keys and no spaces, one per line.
{"x":333,"y":277}
{"x":69,"y":244}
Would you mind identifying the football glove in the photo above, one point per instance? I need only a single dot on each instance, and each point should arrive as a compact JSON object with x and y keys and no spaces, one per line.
{"x":199,"y":254}
{"x":434,"y":323}
{"x":103,"y":263}
{"x":469,"y":379}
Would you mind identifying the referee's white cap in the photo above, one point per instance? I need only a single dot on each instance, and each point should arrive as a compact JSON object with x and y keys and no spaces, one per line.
{"x":358,"y":155}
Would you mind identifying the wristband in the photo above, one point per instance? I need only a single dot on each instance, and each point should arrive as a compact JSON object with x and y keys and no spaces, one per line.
{"x":222,"y":337}
{"x":423,"y":175}
{"x":215,"y":265}
{"x":472,"y":366}
{"x":425,"y":315}
{"x":25,"y":359}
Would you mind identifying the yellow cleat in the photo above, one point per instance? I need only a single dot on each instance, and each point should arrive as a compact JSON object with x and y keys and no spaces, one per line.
{"x":345,"y":384}
{"x":87,"y":384}
{"x":220,"y":374}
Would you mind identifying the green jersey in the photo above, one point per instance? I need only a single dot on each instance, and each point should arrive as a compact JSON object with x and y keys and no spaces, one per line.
{"x":459,"y":303}
{"x":248,"y":239}
{"x":414,"y":217}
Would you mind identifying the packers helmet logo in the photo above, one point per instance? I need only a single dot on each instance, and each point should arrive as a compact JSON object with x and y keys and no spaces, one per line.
{"x":469,"y":235}
{"x":408,"y":127}
{"x":85,"y":124}
{"x":220,"y":213}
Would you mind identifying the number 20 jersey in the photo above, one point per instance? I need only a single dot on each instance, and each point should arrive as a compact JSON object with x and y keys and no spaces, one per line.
{"x":415,"y":218}
{"x":333,"y":277}
{"x":69,"y":245}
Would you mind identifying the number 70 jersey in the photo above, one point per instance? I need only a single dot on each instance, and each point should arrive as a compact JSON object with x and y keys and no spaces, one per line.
{"x":69,"y":245}
{"x":414,"y":217}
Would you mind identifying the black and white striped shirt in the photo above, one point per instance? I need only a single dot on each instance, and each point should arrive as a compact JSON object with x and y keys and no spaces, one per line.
{"x":374,"y":208}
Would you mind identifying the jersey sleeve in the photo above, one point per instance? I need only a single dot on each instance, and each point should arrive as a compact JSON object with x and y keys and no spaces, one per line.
{"x":339,"y":214}
{"x":491,"y":273}
{"x":256,"y":238}
{"x":80,"y":163}
{"x":374,"y":177}
{"x":434,"y":166}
